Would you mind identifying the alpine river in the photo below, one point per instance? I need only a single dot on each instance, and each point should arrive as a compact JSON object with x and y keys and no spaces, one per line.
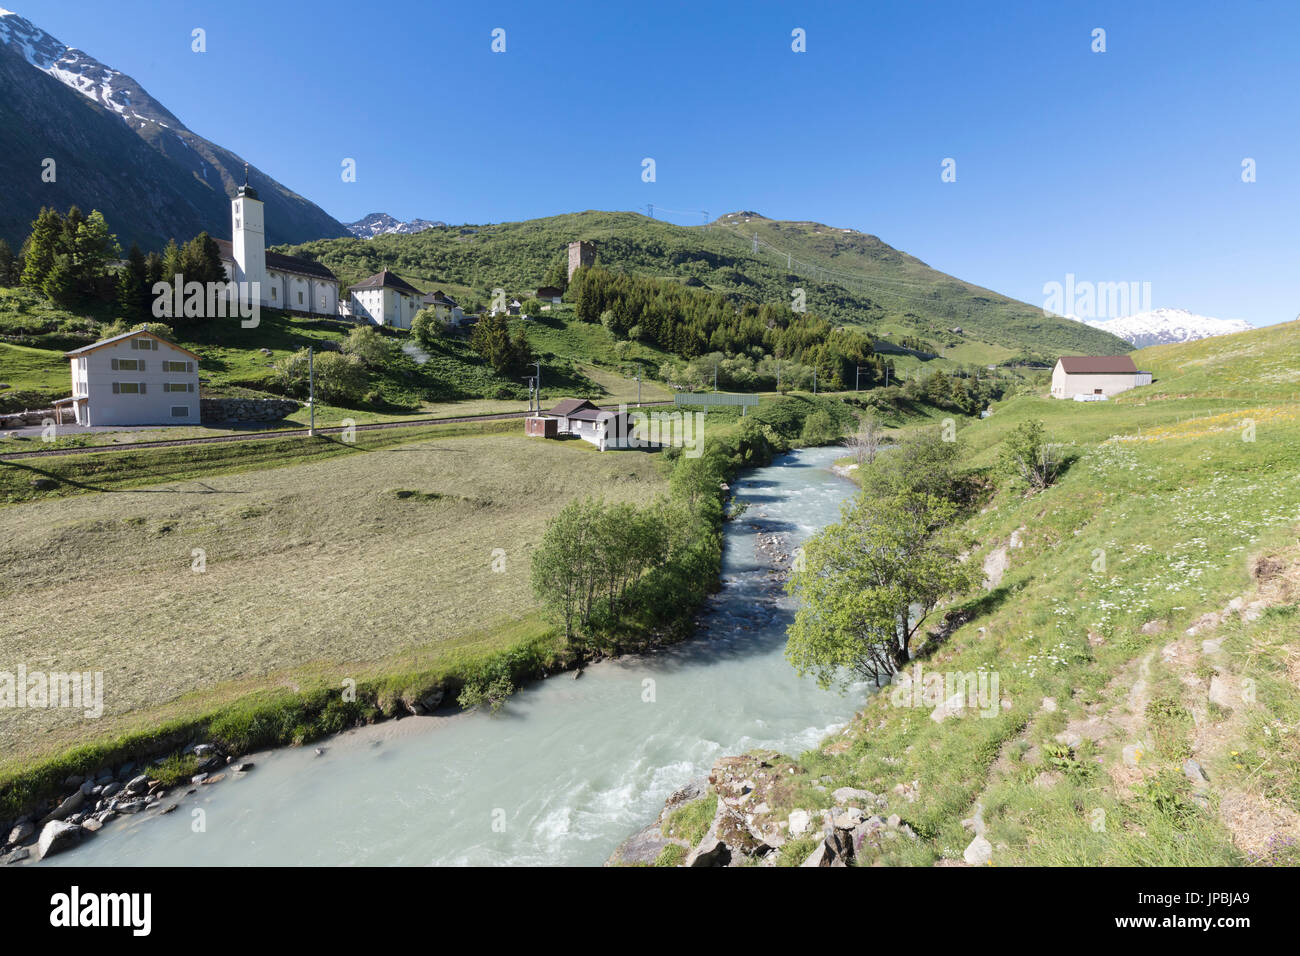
{"x":568,"y":768}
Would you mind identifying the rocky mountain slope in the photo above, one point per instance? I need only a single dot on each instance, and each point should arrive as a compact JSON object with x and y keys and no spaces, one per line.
{"x":382,"y":224}
{"x":119,"y":150}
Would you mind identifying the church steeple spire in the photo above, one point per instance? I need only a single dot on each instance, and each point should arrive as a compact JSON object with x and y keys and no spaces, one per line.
{"x":247,"y":190}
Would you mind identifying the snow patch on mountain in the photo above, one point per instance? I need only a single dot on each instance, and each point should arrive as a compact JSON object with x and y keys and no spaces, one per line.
{"x":382,"y":224}
{"x":1163,"y":326}
{"x":80,"y":71}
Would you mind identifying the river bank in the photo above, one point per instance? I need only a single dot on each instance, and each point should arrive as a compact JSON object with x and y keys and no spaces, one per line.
{"x":573,"y":766}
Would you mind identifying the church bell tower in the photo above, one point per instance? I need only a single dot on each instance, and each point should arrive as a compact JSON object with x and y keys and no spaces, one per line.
{"x":248,"y":236}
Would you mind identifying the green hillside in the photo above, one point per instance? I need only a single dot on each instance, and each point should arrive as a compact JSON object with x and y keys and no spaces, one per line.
{"x":874,"y":286}
{"x":1140,"y":616}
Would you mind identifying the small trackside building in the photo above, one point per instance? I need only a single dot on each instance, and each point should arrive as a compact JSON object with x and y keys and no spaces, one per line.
{"x":578,"y":417}
{"x":136,"y":378}
{"x":1095,"y":377}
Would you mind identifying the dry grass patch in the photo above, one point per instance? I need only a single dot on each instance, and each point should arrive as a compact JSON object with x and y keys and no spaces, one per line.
{"x":340,"y":562}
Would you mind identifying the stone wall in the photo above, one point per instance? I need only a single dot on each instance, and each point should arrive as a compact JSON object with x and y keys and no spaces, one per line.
{"x":214,"y":411}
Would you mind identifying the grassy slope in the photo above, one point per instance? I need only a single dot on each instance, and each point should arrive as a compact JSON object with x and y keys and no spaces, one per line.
{"x":319,"y":566}
{"x":895,"y":291}
{"x":451,"y":380}
{"x":1182,"y":509}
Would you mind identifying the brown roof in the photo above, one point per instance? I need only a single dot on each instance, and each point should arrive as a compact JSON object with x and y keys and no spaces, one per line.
{"x":1098,"y":365}
{"x":282,"y":263}
{"x":567,"y":407}
{"x":549,"y":292}
{"x":386,"y":280}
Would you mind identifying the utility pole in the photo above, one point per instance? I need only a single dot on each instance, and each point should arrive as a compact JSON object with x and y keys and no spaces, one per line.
{"x":814,"y":379}
{"x":638,"y":387}
{"x":311,"y":389}
{"x":755,"y":243}
{"x":857,"y":377}
{"x":650,"y":207}
{"x":539,"y":383}
{"x":778,"y":375}
{"x":715,"y":375}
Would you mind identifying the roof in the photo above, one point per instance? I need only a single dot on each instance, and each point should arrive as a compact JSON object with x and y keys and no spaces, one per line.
{"x":438,"y":297}
{"x":549,"y":292}
{"x":114,"y":339}
{"x":282,"y":263}
{"x":1098,"y":365}
{"x":567,"y":408}
{"x":386,"y":280}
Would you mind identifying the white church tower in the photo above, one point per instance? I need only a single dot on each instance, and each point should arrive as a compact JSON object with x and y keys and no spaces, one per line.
{"x":248,"y":236}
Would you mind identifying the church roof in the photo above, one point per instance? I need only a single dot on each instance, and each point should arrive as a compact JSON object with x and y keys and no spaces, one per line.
{"x":283,"y":263}
{"x":386,"y":280}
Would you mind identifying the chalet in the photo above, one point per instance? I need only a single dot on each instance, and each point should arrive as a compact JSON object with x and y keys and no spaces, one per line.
{"x":578,"y":417}
{"x":446,"y":309}
{"x":549,"y":293}
{"x":136,"y":378}
{"x":385,"y":299}
{"x":1095,"y":378}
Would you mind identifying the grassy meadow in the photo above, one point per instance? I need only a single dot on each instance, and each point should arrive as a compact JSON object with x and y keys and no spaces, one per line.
{"x":1174,"y":524}
{"x":320,"y":561}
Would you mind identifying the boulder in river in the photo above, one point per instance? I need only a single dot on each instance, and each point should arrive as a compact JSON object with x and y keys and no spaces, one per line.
{"x":58,"y":836}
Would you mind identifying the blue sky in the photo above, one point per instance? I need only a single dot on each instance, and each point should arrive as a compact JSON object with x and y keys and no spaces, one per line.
{"x":1123,"y":166}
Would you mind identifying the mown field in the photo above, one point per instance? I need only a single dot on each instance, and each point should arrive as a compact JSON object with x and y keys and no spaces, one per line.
{"x":317,"y":565}
{"x":1174,"y":524}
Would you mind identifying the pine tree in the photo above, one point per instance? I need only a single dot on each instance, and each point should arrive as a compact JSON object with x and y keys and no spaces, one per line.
{"x":153,"y":270}
{"x":41,"y":247}
{"x":60,"y":283}
{"x":91,"y":249}
{"x":201,"y":260}
{"x":8,"y":265}
{"x":132,"y":288}
{"x":171,"y":261}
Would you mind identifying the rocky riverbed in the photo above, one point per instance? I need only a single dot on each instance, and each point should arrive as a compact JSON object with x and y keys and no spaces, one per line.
{"x":94,"y":800}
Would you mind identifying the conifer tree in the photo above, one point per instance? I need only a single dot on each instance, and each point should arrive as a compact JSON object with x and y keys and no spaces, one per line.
{"x":8,"y":265}
{"x":132,"y":287}
{"x":41,"y":247}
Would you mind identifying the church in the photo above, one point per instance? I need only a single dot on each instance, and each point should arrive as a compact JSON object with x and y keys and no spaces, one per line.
{"x":287,"y":282}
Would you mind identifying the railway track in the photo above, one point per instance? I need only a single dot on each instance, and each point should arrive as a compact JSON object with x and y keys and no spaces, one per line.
{"x":279,"y":433}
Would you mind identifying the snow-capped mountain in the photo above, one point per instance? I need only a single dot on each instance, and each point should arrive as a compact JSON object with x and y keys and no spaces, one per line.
{"x":73,"y":68}
{"x":1162,"y":326}
{"x":182,"y":188}
{"x":382,"y":224}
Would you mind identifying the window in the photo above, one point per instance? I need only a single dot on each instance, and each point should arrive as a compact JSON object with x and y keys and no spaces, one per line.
{"x":129,"y":365}
{"x":300,"y":298}
{"x":178,"y":366}
{"x":178,"y":386}
{"x":180,"y":411}
{"x":128,"y":388}
{"x":145,"y":345}
{"x":273,"y":291}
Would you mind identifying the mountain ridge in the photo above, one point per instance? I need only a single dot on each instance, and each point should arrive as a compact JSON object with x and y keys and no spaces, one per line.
{"x":186,"y":193}
{"x":382,"y":224}
{"x":1166,"y":326}
{"x":850,"y":277}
